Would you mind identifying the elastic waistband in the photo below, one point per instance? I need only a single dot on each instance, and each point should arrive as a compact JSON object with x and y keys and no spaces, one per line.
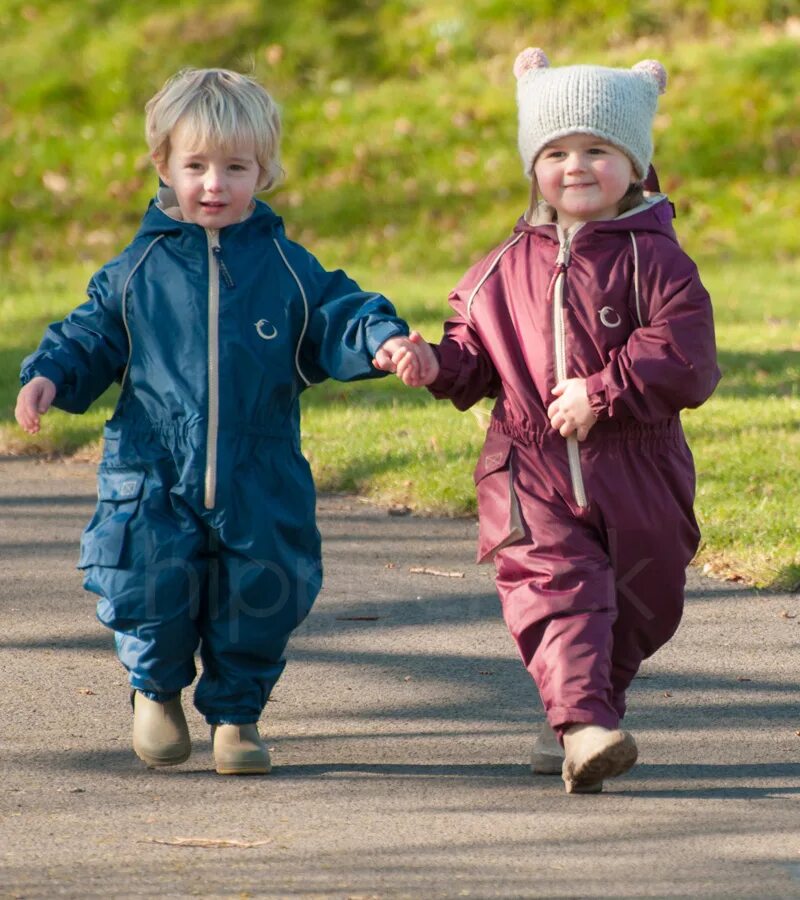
{"x":607,"y":430}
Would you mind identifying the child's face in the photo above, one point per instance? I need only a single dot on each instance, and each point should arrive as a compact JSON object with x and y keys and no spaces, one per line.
{"x":583,"y":178}
{"x":214,"y":187}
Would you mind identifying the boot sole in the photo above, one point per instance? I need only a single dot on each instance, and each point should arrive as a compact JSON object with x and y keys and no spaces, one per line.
{"x":612,"y":760}
{"x":160,"y":762}
{"x":243,"y":768}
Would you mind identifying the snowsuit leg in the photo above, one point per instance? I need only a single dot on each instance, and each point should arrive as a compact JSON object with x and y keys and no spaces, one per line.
{"x":561,"y":611}
{"x":265,"y":573}
{"x":145,"y":556}
{"x":650,"y":541}
{"x":255,"y":601}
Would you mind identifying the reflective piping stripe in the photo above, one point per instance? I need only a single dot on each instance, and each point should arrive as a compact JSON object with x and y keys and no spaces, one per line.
{"x":305,"y":305}
{"x":213,"y":371}
{"x":489,"y":271}
{"x":124,"y":295}
{"x":636,"y":279}
{"x":560,"y":345}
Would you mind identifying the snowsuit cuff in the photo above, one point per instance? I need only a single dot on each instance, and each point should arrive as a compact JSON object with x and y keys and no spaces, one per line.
{"x":448,"y":371}
{"x":598,"y":399}
{"x":379,"y":333}
{"x":46,"y":369}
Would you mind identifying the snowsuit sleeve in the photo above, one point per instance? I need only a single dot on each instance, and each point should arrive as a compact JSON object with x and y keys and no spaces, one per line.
{"x":466,"y":372}
{"x":346,"y":326}
{"x":86,"y":352}
{"x":670,"y":362}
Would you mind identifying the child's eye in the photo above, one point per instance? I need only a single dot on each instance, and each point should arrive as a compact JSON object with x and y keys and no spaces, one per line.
{"x":597,"y":151}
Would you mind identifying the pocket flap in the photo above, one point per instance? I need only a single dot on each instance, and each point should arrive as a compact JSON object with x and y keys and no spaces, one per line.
{"x":494,"y":456}
{"x":119,"y":484}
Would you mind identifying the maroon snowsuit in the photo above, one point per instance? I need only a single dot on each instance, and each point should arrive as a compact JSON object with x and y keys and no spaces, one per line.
{"x":590,"y":540}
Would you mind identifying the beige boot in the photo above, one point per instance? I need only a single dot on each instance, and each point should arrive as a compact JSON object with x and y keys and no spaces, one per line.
{"x":594,"y":753}
{"x":239,"y":750}
{"x":548,"y":754}
{"x":160,"y":732}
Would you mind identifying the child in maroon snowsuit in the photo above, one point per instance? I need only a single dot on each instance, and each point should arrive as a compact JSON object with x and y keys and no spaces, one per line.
{"x":592,"y":329}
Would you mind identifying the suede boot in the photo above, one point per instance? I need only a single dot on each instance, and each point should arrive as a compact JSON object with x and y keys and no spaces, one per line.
{"x":160,"y":732}
{"x":239,"y":750}
{"x":548,"y":754}
{"x":594,"y":753}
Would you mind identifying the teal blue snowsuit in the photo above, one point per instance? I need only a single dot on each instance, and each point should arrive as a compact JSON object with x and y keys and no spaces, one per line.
{"x":205,"y":531}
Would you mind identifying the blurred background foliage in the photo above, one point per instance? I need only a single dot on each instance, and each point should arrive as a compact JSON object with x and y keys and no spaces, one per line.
{"x":400,"y":134}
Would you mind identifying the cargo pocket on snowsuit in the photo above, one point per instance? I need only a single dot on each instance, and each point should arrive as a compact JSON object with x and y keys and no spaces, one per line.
{"x":499,"y":519}
{"x":118,"y":495}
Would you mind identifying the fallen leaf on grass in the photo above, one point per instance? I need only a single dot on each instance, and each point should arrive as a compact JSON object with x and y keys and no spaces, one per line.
{"x":787,"y":615}
{"x":424,"y":570}
{"x":212,"y":843}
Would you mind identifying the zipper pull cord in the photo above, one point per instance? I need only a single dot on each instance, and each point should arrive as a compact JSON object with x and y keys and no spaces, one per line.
{"x":562,"y":263}
{"x":223,"y":269}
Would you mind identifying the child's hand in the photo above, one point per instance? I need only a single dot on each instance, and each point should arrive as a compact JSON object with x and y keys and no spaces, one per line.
{"x":33,"y":400}
{"x":411,"y":359}
{"x":571,"y":412}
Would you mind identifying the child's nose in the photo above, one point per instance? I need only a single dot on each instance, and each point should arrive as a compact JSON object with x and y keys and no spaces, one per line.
{"x":576,"y":162}
{"x":214,"y":179}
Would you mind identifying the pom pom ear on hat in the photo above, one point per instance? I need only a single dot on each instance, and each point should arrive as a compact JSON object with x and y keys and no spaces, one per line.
{"x":655,"y":70}
{"x":530,"y":58}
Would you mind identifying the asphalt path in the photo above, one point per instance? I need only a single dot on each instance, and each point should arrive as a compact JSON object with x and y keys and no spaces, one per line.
{"x":400,"y":734}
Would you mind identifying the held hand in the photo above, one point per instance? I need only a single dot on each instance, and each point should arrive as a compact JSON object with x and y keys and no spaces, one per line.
{"x":427,"y":364}
{"x":411,"y":359}
{"x":571,"y":412}
{"x":33,"y":400}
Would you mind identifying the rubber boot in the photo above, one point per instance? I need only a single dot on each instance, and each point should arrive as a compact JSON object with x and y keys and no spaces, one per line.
{"x":548,"y":755}
{"x":239,"y":750}
{"x":594,"y":753}
{"x":160,"y":733}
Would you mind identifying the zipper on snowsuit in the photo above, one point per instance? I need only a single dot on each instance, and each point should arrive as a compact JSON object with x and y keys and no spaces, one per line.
{"x":560,"y":345}
{"x":212,"y":432}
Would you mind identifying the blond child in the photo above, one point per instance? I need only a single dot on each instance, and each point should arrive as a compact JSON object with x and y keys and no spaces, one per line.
{"x":214,"y":322}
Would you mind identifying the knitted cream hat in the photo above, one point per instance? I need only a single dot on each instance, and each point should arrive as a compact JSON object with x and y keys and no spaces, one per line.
{"x":618,"y":105}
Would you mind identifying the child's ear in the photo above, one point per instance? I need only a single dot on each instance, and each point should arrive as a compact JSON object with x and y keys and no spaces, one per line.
{"x":161,"y":167}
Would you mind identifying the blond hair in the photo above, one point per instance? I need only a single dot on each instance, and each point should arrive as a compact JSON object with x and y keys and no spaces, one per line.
{"x":219,"y":108}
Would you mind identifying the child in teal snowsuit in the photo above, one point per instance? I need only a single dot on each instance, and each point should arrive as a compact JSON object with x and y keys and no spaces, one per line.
{"x":214,"y":322}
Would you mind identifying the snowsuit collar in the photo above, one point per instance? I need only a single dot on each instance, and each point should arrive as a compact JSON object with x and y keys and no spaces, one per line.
{"x":655,"y":214}
{"x":163,"y":218}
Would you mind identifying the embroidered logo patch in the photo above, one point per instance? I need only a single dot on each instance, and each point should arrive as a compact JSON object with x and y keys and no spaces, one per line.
{"x":493,"y":459}
{"x":610,"y":317}
{"x":128,"y":488}
{"x":266,"y":330}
